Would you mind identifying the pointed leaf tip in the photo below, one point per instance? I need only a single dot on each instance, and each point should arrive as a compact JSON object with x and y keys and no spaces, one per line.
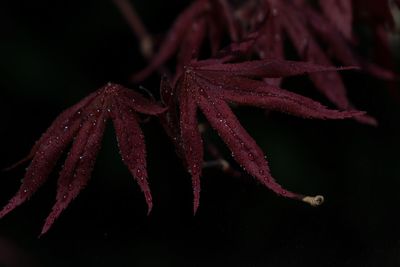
{"x":196,"y":201}
{"x":149,"y":202}
{"x":17,"y":164}
{"x":132,"y":147}
{"x":368,"y":120}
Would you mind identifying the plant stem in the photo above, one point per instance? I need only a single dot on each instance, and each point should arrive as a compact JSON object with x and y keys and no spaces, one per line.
{"x":135,"y":23}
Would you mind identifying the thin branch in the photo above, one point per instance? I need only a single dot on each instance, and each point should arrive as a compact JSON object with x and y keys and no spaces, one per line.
{"x":129,"y":13}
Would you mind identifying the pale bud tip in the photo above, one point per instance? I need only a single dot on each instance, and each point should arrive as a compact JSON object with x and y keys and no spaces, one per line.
{"x":202,"y":128}
{"x":314,"y":201}
{"x":146,"y":46}
{"x":225,"y":166}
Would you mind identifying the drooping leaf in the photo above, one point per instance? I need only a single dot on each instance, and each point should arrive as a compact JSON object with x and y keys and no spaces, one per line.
{"x":78,"y":166}
{"x":210,"y":86}
{"x":192,"y":143}
{"x":83,"y":125}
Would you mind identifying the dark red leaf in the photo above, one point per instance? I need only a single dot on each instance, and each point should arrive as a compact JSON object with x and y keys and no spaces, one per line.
{"x":244,"y":149}
{"x":192,"y":143}
{"x":84,"y":123}
{"x":270,"y":69}
{"x":132,"y":146}
{"x":173,"y":40}
{"x":210,"y":85}
{"x":202,"y":18}
{"x":78,"y":166}
{"x":310,"y":32}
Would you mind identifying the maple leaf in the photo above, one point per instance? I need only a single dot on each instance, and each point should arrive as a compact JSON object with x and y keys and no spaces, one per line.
{"x":83,"y":125}
{"x":190,"y":29}
{"x":307,"y":30}
{"x":209,"y":86}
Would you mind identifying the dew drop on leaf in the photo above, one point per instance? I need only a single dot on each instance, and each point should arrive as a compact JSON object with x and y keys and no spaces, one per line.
{"x":251,"y":156}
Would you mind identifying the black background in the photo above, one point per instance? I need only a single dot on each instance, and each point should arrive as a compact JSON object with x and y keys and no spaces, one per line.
{"x":52,"y":53}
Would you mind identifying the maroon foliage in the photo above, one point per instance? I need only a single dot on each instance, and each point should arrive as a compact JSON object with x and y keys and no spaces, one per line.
{"x":210,"y":86}
{"x":201,"y":18}
{"x":310,"y":32}
{"x":83,"y":125}
{"x":321,"y":33}
{"x":340,"y":14}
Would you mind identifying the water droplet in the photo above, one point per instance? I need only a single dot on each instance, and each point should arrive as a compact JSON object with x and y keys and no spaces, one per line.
{"x":251,"y":156}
